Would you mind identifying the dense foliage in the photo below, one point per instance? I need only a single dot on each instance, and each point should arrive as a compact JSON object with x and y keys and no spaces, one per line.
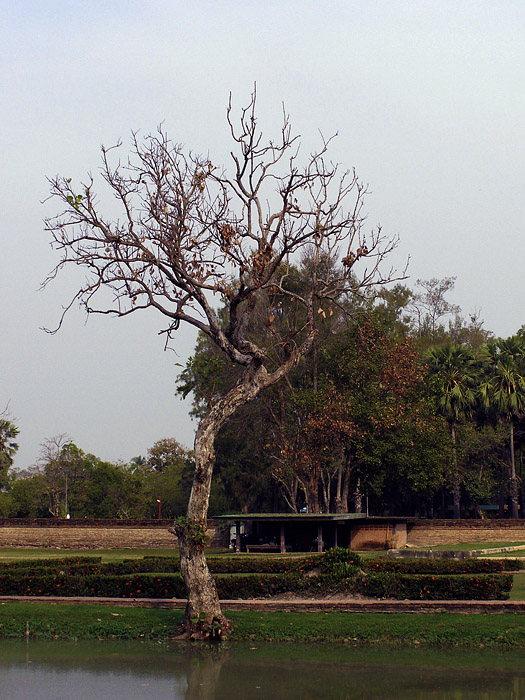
{"x":68,"y":481}
{"x":392,"y":412}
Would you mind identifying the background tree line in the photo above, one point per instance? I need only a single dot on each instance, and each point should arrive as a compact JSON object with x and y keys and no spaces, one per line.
{"x":401,"y":407}
{"x":67,"y":480}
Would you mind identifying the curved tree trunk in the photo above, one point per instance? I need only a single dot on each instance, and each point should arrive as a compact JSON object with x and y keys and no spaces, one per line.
{"x":204,"y":618}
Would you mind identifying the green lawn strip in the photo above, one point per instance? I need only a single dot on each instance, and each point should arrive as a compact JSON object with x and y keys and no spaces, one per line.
{"x":15,"y":554}
{"x":110,"y":555}
{"x":442,"y":629}
{"x":518,"y":587}
{"x":462,"y":546}
{"x":55,"y":621}
{"x":48,"y":621}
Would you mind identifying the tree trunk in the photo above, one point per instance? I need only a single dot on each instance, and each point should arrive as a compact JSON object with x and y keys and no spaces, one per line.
{"x":358,"y":498}
{"x":343,"y":486}
{"x":326,"y":481}
{"x":456,"y":492}
{"x":204,"y":619}
{"x":289,"y":489}
{"x":312,"y":496}
{"x":513,"y":482}
{"x":521,"y":486}
{"x":502,"y":490}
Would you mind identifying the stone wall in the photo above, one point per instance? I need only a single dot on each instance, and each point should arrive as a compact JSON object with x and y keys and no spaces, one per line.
{"x":151,"y":534}
{"x":92,"y":534}
{"x":366,"y":536}
{"x":426,"y":533}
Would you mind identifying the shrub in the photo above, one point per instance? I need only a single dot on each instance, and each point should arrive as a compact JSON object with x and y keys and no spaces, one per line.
{"x":340,"y":563}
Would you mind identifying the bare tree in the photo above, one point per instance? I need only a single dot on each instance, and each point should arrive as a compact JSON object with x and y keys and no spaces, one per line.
{"x":60,"y":463}
{"x":430,"y":306}
{"x":191,"y":235}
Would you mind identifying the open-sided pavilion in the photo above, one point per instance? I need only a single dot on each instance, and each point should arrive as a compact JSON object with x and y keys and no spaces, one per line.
{"x":315,"y":532}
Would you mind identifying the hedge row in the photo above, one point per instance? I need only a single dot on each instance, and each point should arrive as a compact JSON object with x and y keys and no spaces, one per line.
{"x":443,"y":566}
{"x":441,"y":587}
{"x":379,"y":585}
{"x":41,"y":565}
{"x":217,"y":565}
{"x":339,"y":563}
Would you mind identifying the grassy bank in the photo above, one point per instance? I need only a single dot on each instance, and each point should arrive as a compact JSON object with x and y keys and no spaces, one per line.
{"x":48,"y":621}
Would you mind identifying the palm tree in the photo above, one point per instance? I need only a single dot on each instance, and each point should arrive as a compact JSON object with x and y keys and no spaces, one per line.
{"x":453,"y":378}
{"x":8,"y":447}
{"x":504,"y":392}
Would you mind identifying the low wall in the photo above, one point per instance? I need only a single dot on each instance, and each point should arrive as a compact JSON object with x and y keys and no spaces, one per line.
{"x":365,"y":536}
{"x":96,"y":534}
{"x":426,"y":533}
{"x":151,"y":534}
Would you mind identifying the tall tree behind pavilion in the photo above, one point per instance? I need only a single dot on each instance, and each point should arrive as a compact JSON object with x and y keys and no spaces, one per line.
{"x":453,"y":374}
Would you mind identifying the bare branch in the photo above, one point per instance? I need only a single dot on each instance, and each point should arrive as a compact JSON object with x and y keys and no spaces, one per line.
{"x":213,"y":248}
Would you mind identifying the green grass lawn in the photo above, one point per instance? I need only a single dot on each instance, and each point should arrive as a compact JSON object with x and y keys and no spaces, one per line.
{"x":518,"y":587}
{"x":18,"y":553}
{"x":14,"y":554}
{"x":462,"y":546}
{"x":48,"y":621}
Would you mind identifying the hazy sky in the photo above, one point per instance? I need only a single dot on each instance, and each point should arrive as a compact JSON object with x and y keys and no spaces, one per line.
{"x":428,"y":98}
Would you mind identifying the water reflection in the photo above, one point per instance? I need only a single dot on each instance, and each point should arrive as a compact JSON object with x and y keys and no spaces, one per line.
{"x":129,"y":671}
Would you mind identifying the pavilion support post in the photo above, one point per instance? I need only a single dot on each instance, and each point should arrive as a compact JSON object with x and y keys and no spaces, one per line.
{"x":238,"y":536}
{"x":283,"y":541}
{"x":320,"y":538}
{"x":335,"y":536}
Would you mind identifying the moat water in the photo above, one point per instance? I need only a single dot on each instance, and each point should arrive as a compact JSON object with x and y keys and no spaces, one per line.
{"x":133,"y":671}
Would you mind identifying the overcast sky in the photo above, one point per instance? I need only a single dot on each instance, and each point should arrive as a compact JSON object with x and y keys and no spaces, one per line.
{"x":428,"y":98}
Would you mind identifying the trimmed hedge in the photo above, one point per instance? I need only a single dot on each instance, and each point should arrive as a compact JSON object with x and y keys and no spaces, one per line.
{"x":380,"y":585}
{"x":42,"y":565}
{"x":217,"y":565}
{"x":247,"y":577}
{"x":441,"y":587}
{"x":96,"y":585}
{"x":441,"y":566}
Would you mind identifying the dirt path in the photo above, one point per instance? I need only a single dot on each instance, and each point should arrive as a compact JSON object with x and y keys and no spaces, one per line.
{"x":290,"y":604}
